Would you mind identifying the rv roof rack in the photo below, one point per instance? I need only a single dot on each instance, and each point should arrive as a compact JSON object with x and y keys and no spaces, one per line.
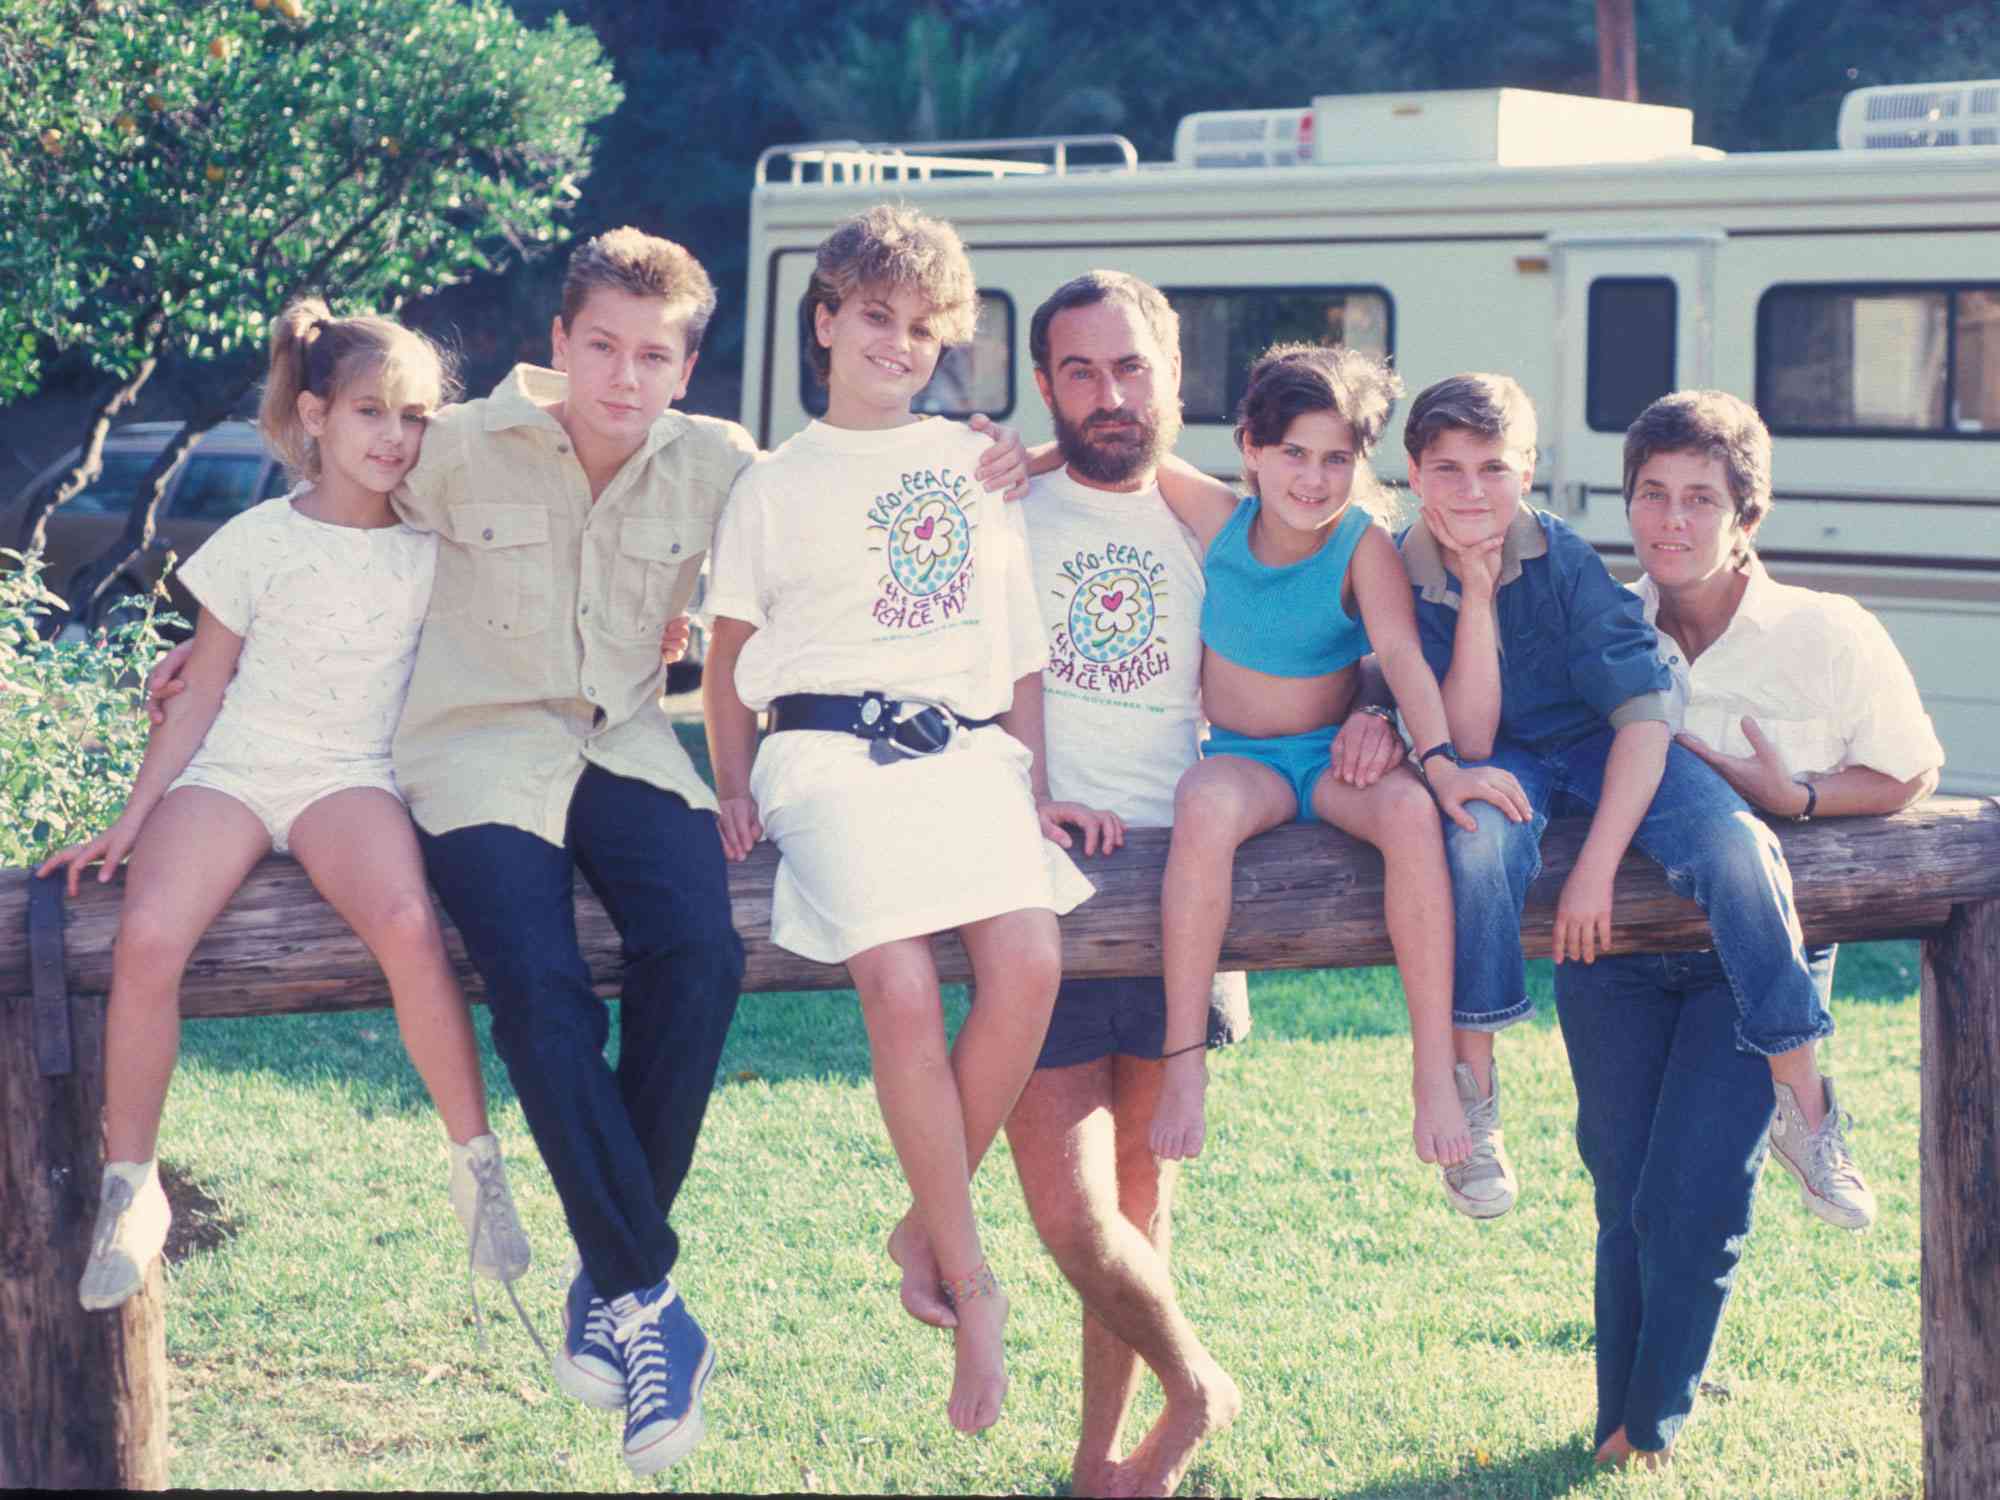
{"x":851,"y":163}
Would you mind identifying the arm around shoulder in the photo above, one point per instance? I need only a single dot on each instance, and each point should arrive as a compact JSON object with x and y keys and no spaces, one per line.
{"x":1199,"y":501}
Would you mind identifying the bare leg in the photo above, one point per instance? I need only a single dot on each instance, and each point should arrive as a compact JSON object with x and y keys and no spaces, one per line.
{"x":1475,"y":1050}
{"x":361,"y":852}
{"x":1218,"y":804}
{"x":192,"y":854}
{"x":934,"y":1119}
{"x":1799,"y":1069}
{"x":1207,"y":1400}
{"x":1397,"y":816}
{"x":1094,"y":1189}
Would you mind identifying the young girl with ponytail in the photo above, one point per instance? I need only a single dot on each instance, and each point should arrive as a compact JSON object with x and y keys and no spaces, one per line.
{"x":311,"y":605}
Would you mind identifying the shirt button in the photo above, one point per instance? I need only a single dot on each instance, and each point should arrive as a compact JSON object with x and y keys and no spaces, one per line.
{"x":486,"y":535}
{"x":562,"y":447}
{"x":675,"y":548}
{"x":590,"y":692}
{"x":583,"y":609}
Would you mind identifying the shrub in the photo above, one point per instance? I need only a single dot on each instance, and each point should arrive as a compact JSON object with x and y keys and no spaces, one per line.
{"x":72,"y":717}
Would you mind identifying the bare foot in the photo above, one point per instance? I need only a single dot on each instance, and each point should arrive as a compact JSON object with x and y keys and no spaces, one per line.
{"x":1179,"y":1126}
{"x":979,"y":1372}
{"x":1093,"y":1474}
{"x":1618,"y":1453}
{"x":910,"y":1248}
{"x":1440,"y":1131}
{"x":1161,"y":1460}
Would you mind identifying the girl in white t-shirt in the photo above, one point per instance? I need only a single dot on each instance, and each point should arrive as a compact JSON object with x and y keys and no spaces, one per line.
{"x":311,"y":606}
{"x":869,"y":594}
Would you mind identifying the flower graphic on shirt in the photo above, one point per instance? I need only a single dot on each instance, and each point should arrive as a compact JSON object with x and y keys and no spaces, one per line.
{"x":925,"y":531}
{"x":1112,"y":614}
{"x":1112,"y":604}
{"x":930,"y":542}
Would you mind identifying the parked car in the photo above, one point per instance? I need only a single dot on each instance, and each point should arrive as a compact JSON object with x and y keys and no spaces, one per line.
{"x":226,"y":472}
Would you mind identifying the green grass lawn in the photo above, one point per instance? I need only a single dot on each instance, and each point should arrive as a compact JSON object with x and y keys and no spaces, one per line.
{"x":320,"y":1336}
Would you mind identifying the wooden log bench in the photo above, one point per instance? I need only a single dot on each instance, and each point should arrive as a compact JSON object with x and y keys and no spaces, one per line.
{"x":82,"y":1395}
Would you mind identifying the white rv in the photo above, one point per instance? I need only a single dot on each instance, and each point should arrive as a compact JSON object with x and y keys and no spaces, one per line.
{"x":1588,"y":248}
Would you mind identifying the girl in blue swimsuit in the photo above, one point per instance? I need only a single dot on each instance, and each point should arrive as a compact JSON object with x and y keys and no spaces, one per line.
{"x":1302,"y":583}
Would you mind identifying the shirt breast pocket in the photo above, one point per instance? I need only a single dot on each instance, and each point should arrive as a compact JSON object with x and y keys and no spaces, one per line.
{"x":501,"y":572}
{"x":651,"y":554}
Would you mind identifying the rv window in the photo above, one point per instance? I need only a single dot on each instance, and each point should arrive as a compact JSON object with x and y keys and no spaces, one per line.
{"x":1224,"y":328}
{"x":978,"y":376}
{"x":1630,"y":362}
{"x":1880,"y":360}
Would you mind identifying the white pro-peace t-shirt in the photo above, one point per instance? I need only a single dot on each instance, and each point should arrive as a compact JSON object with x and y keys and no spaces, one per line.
{"x":329,"y":616}
{"x":874,"y":561}
{"x":1120,"y":586}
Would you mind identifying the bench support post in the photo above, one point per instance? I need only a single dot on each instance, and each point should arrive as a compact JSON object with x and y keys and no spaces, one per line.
{"x":1960,"y":1156}
{"x":83,"y":1396}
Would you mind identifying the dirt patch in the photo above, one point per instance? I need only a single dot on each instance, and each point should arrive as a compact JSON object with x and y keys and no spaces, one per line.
{"x":199,"y":1222}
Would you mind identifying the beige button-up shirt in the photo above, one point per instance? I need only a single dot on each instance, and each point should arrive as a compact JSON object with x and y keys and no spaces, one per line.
{"x":541,"y":651}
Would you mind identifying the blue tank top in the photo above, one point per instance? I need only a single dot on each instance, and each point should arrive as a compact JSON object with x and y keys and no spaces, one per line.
{"x":1285,"y":621}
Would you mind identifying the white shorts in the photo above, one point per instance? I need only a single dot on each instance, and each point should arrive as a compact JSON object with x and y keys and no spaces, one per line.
{"x":279,"y":785}
{"x":873,"y":853}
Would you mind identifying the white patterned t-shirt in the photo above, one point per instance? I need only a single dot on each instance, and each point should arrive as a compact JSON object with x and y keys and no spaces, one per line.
{"x":329,"y":616}
{"x":1120,"y":586}
{"x":874,"y":560}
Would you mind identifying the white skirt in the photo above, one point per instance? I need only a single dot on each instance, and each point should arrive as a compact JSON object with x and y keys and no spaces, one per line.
{"x":873,"y":853}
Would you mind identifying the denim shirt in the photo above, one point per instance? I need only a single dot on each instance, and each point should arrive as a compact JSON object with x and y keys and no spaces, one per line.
{"x":1576,"y":651}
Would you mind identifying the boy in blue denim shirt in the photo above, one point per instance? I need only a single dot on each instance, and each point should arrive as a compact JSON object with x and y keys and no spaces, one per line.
{"x":1550,"y":671}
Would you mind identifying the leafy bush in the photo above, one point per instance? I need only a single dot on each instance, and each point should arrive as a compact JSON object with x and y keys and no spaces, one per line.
{"x":72,"y":720}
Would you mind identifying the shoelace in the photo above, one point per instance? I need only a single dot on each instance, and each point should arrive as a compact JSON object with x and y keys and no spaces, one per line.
{"x":1484,"y":1161}
{"x":645,"y":1360}
{"x":1832,"y":1161}
{"x":493,"y":1195}
{"x":117,"y":1198}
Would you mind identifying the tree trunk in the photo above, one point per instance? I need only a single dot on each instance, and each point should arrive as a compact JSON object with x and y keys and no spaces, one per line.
{"x":82,"y":1395}
{"x":35,"y":523}
{"x":1617,"y":51}
{"x":1960,"y":1151}
{"x":142,"y":521}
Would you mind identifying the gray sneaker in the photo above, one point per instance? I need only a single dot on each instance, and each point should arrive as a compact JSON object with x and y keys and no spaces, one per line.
{"x":1482,"y":1186}
{"x":132,"y":1220}
{"x":495,"y":1243}
{"x":1829,"y":1182}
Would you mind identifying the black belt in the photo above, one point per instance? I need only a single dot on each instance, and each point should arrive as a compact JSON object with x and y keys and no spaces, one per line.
{"x":896,"y":727}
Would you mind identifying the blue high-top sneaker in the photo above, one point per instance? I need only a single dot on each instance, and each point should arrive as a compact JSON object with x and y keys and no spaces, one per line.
{"x":667,"y":1361}
{"x":588,"y":1366}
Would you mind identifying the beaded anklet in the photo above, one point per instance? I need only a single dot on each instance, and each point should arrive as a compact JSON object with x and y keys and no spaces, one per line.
{"x":981,"y":1283}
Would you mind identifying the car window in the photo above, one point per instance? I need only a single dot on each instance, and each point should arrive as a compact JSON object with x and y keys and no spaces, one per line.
{"x":218,"y":486}
{"x":112,"y":491}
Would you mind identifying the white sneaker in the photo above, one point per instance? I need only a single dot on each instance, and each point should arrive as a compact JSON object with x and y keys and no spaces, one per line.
{"x":496,"y":1243}
{"x":132,"y":1220}
{"x":1482,"y":1186}
{"x":1829,"y":1182}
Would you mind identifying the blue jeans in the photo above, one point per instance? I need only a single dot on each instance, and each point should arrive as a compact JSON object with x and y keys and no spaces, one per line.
{"x":1715,"y":851}
{"x":617,"y":1144}
{"x":1672,"y":1118}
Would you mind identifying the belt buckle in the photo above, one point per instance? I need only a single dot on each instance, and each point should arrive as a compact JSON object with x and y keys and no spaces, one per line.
{"x":909,"y":730}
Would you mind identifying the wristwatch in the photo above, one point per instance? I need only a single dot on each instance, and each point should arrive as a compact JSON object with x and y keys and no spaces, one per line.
{"x":1443,"y":747}
{"x":1386,"y":715}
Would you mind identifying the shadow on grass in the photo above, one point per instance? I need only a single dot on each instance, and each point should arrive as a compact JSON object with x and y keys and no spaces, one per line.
{"x":1559,"y":1469}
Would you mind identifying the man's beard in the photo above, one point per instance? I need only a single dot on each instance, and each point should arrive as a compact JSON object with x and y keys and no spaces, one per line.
{"x":1100,"y":453}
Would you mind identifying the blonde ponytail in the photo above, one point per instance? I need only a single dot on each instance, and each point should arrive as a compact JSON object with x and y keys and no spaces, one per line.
{"x":312,"y":350}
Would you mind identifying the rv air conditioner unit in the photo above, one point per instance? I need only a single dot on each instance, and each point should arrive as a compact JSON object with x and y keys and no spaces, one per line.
{"x":1244,"y":138}
{"x":1893,"y":116}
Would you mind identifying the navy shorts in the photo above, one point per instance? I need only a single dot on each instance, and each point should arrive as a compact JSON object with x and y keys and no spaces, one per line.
{"x":1097,"y":1018}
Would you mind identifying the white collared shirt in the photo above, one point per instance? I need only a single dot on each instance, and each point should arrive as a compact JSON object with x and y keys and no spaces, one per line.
{"x":1816,"y":671}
